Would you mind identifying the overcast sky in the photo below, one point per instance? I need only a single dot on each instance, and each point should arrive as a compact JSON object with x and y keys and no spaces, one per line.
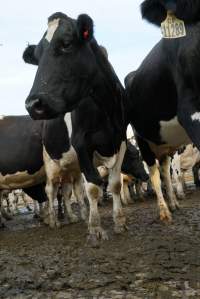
{"x":118,"y":26}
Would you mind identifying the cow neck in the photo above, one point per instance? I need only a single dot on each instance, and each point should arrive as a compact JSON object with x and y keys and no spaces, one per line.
{"x":108,"y":92}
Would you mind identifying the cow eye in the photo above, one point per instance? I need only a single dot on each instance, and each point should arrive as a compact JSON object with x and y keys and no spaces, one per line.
{"x":66,"y":48}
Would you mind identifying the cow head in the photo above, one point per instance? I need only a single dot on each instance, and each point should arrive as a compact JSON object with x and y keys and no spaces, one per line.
{"x":65,"y":65}
{"x":71,"y":66}
{"x":133,"y":164}
{"x":155,"y":11}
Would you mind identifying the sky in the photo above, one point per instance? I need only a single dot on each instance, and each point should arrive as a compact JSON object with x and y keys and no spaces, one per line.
{"x":118,"y":26}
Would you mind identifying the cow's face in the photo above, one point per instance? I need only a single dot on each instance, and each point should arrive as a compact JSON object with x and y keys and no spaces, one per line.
{"x":66,"y":66}
{"x":133,"y":164}
{"x":155,"y":11}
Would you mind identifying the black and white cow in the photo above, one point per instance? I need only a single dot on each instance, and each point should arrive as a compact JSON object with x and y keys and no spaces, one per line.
{"x":25,"y":148}
{"x":132,"y":169}
{"x":74,"y":72}
{"x":164,"y":91}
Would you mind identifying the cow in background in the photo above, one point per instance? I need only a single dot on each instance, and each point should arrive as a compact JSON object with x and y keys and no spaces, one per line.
{"x":183,"y":161}
{"x":164,"y":92}
{"x":132,"y":169}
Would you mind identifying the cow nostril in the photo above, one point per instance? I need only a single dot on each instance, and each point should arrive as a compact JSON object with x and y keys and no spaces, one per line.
{"x":38,"y":106}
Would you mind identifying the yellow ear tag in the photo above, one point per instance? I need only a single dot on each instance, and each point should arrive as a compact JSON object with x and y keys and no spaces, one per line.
{"x":173,"y":27}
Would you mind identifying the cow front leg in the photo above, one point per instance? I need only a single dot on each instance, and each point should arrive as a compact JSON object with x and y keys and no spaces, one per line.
{"x":115,"y":187}
{"x":164,"y":212}
{"x":96,"y":233}
{"x":165,"y":168}
{"x":79,"y":192}
{"x":67,"y":192}
{"x":51,"y":191}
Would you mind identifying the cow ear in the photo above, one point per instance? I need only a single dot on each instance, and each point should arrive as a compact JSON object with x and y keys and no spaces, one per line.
{"x":85,"y":28}
{"x":153,"y":11}
{"x":29,"y":55}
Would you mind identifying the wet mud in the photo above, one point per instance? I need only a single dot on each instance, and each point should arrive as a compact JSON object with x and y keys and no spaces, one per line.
{"x":151,"y":260}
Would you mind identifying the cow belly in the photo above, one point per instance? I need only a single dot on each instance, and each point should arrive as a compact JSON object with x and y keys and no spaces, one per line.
{"x":23,"y":179}
{"x":173,"y":134}
{"x":65,"y":168}
{"x":108,"y":162}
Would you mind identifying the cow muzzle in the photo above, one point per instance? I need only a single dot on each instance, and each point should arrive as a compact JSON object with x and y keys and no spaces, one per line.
{"x":37,"y":107}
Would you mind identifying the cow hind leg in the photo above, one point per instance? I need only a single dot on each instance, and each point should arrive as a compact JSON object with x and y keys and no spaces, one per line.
{"x":67,"y":192}
{"x":51,"y":191}
{"x":25,"y":200}
{"x":118,"y":214}
{"x":165,"y":168}
{"x":115,"y":187}
{"x":96,"y":232}
{"x":164,"y":212}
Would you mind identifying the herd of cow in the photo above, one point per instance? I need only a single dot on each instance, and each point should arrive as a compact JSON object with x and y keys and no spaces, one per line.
{"x":80,"y":112}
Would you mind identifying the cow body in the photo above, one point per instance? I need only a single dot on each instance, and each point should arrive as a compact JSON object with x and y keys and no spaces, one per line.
{"x":167,"y":85}
{"x":71,"y":68}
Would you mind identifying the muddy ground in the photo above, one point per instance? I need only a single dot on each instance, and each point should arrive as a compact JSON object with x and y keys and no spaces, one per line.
{"x":151,"y":260}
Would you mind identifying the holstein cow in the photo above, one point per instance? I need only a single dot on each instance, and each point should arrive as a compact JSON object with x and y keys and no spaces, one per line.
{"x":72,"y":69}
{"x":132,"y":169}
{"x":24,"y":160}
{"x":183,"y":161}
{"x":164,"y":92}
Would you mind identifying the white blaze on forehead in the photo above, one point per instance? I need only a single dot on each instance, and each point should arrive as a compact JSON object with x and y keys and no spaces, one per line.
{"x":195,"y":116}
{"x":52,"y":26}
{"x":68,"y":122}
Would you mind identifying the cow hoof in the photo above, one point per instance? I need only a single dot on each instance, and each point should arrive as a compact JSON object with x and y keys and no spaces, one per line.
{"x":181,"y":196}
{"x":124,"y":202}
{"x":120,"y":228}
{"x":96,"y":234}
{"x":54,"y":224}
{"x":84,"y":214}
{"x":165,"y":216}
{"x":73,"y":219}
{"x":120,"y":224}
{"x":174,"y":206}
{"x":7,"y":216}
{"x":61,"y":216}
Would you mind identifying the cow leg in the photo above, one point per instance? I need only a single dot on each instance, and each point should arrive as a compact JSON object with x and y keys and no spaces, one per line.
{"x":138,"y":190}
{"x":96,"y":232}
{"x":123,"y":191}
{"x":79,"y":192}
{"x":51,"y":191}
{"x":1,"y":204}
{"x":165,"y":214}
{"x":25,"y":200}
{"x":60,"y":205}
{"x":115,"y":187}
{"x":36,"y":210}
{"x":180,"y":188}
{"x":67,"y":192}
{"x":165,"y":168}
{"x":5,"y":214}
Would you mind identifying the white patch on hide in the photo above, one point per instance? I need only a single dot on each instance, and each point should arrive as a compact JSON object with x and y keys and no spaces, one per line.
{"x":172,"y":133}
{"x":195,"y":116}
{"x":2,"y":117}
{"x":22,"y":179}
{"x":52,"y":26}
{"x":68,"y":122}
{"x":108,"y":162}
